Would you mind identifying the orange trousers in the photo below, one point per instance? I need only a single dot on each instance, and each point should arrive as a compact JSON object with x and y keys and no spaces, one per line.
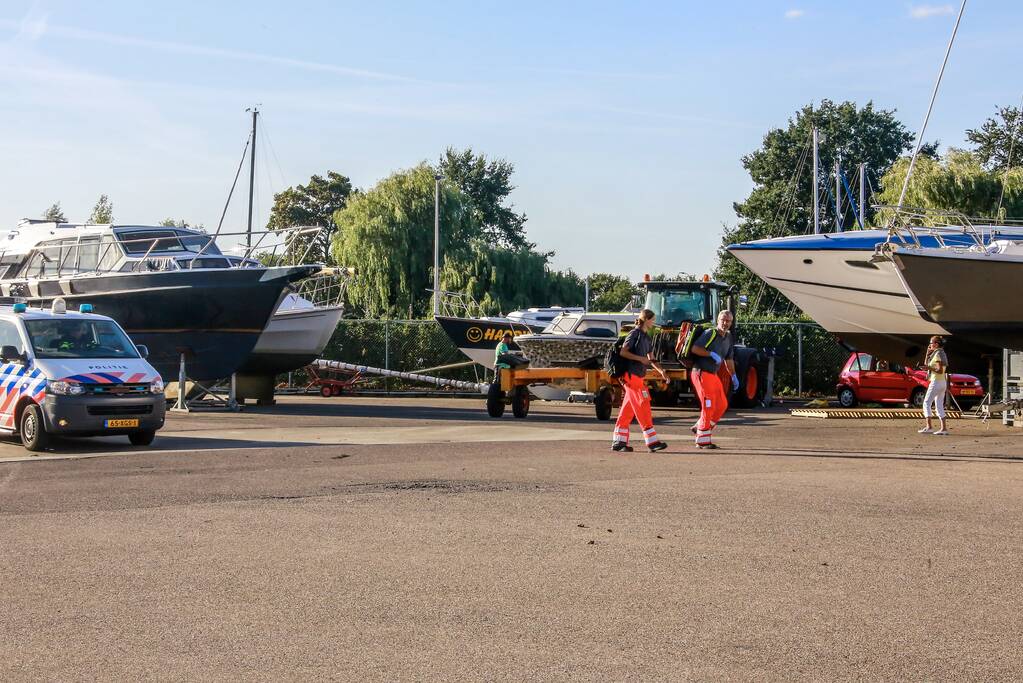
{"x":713,"y":403}
{"x":635,"y":405}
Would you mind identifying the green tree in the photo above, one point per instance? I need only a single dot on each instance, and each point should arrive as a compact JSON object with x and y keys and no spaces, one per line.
{"x":996,"y":144}
{"x":610,"y":292}
{"x":387,"y":233}
{"x":313,"y":204}
{"x":502,"y":280}
{"x":485,"y":185}
{"x":55,"y":214}
{"x":102,"y":212}
{"x":959,"y":183}
{"x":781,"y":170}
{"x":181,"y":223}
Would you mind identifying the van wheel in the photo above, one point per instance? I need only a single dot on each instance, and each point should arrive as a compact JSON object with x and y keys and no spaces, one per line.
{"x":847,"y":397}
{"x":142,"y":437}
{"x":33,"y":429}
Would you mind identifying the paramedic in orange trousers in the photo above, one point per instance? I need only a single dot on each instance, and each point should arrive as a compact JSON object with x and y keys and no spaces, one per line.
{"x":637,"y":350}
{"x":713,"y":348}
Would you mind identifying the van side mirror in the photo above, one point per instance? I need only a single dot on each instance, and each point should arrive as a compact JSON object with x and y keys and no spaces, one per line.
{"x":143,"y":350}
{"x":10,"y":354}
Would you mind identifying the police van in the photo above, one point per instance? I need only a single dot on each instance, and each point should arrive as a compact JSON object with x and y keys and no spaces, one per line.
{"x":65,"y":373}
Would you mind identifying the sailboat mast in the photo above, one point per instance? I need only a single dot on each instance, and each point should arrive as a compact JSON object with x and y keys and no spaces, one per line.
{"x":816,"y":185}
{"x":252,"y":180}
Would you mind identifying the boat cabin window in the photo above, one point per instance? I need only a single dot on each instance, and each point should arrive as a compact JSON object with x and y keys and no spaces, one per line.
{"x":203,"y":262}
{"x":147,"y":241}
{"x":149,"y":265}
{"x":562,"y":324}
{"x":78,"y":338}
{"x":199,"y":243}
{"x":606,"y":329}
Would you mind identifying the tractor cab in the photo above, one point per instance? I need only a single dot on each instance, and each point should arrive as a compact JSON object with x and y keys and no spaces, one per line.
{"x":674,"y":303}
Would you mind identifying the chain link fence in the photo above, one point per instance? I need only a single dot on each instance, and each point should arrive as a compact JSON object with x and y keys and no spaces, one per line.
{"x":808,"y":357}
{"x":807,"y":363}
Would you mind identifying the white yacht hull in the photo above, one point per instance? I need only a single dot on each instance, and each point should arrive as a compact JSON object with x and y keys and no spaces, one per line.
{"x":845,"y":299}
{"x":292,"y":339}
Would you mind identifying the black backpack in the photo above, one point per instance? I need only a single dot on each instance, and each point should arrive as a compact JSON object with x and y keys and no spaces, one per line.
{"x":614,"y":365}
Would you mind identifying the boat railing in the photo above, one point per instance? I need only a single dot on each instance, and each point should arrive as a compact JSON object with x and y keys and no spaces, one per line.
{"x":327,"y":287}
{"x":908,"y":224}
{"x":459,"y":305}
{"x":100,"y":254}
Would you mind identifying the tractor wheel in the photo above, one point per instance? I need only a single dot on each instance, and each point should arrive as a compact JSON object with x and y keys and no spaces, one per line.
{"x":495,"y":400}
{"x":751,"y":388}
{"x":325,"y":391}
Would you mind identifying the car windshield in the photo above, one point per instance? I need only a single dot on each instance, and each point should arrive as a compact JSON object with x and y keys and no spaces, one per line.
{"x":79,"y":338}
{"x":671,"y":308}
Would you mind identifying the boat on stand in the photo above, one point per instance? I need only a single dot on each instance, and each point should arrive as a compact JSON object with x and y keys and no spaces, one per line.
{"x":171,"y":289}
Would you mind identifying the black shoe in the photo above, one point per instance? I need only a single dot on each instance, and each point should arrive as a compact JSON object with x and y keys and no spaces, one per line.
{"x":621,"y":447}
{"x":693,"y":429}
{"x":711,"y":446}
{"x":657,"y":446}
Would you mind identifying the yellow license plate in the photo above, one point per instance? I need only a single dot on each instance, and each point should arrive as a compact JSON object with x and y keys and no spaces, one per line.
{"x":114,"y":424}
{"x":969,"y":392}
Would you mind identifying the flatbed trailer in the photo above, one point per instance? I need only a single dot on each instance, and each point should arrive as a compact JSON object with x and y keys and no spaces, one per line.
{"x":512,"y":387}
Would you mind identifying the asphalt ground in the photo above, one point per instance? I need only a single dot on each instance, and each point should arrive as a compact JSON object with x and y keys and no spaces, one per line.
{"x":382,"y":539}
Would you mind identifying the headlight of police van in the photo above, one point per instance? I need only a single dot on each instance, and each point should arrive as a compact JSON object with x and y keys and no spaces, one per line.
{"x":156,"y":386}
{"x":59,"y":387}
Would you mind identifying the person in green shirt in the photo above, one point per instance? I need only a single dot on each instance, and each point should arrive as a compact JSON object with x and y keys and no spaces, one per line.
{"x":502,"y":347}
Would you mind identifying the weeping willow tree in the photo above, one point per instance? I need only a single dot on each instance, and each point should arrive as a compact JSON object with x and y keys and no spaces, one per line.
{"x":502,"y":279}
{"x":386,"y":233}
{"x":958,"y":182}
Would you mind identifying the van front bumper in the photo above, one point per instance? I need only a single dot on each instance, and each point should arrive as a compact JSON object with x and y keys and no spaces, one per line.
{"x":90,"y":415}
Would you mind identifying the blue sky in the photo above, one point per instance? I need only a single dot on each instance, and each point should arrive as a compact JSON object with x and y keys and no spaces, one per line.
{"x":626,"y":121}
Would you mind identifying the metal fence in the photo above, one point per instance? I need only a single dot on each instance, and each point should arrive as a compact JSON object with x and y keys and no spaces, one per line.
{"x":808,"y":358}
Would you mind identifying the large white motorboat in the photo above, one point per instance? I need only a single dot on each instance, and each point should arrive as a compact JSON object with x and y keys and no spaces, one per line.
{"x":170,"y":288}
{"x":833,"y":278}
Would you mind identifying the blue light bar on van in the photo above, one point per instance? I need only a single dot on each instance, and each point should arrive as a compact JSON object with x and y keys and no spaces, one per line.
{"x":85,"y":308}
{"x":20,"y":308}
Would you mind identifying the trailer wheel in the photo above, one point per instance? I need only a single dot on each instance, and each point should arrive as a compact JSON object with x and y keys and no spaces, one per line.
{"x":520,"y":402}
{"x":33,"y":429}
{"x":495,"y":400}
{"x":602,"y":402}
{"x":325,"y":391}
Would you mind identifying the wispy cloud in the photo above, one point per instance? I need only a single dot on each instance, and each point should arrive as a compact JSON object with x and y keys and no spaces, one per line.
{"x":29,"y":26}
{"x":794,"y":13}
{"x":927,"y":11}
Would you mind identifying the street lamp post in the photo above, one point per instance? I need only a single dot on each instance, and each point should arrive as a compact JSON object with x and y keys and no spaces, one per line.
{"x":436,"y":244}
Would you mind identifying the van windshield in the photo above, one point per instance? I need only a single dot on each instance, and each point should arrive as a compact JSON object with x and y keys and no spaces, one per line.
{"x":71,"y":338}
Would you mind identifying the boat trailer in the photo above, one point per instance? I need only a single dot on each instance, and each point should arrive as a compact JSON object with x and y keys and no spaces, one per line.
{"x":512,"y":387}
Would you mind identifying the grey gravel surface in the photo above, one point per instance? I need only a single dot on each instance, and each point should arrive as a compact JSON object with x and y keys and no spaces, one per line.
{"x":802,"y":550}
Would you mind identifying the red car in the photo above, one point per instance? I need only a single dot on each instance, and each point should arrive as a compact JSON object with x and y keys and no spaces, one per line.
{"x":865,"y":379}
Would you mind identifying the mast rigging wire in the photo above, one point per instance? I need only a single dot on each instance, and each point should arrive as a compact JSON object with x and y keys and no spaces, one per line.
{"x":934,"y":95}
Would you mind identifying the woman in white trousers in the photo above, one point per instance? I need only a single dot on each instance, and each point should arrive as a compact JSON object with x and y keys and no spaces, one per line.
{"x":937,"y":376}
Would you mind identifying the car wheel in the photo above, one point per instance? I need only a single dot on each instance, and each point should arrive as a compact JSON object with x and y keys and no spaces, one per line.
{"x":916,"y":399}
{"x":32,"y":429}
{"x":142,"y":437}
{"x":847,"y":397}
